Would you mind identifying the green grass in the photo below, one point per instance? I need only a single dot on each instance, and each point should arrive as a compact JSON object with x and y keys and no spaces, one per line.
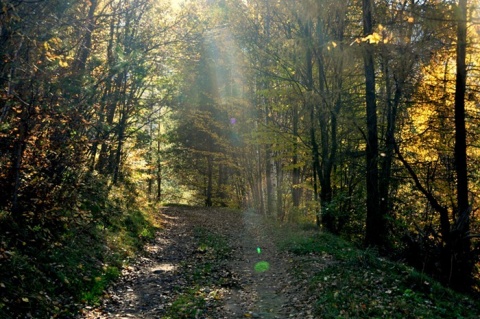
{"x":355,"y":283}
{"x":318,"y":243}
{"x":100,"y":282}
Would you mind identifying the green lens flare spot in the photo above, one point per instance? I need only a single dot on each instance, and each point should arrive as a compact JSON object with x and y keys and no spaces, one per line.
{"x":262,"y":266}
{"x":259,"y":250}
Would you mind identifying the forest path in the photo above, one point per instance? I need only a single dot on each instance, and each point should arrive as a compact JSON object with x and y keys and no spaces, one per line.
{"x":207,"y":263}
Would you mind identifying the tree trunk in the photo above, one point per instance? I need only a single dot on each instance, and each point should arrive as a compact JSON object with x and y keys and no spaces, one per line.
{"x":17,"y":159}
{"x":375,"y":224}
{"x":324,"y":170}
{"x":86,"y":46}
{"x":387,"y":157}
{"x":326,"y":191}
{"x":109,"y":105}
{"x":280,"y":213}
{"x":259,"y":183}
{"x":311,"y":106}
{"x":209,"y":186}
{"x":296,"y":191}
{"x":461,"y":263}
{"x":159,"y":164}
{"x":116,"y":163}
{"x":315,"y":160}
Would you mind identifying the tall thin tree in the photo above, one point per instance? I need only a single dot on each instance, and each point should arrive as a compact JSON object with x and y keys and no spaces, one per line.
{"x":375,"y":220}
{"x":460,"y":241}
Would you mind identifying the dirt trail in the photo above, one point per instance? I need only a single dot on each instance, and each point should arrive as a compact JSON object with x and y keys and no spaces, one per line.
{"x":257,"y":274}
{"x":261,"y":294}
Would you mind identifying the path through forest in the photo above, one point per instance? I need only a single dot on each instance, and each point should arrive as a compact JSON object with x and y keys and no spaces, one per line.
{"x":208,"y":263}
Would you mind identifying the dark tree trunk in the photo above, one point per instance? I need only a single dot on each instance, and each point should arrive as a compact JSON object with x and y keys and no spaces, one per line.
{"x":375,"y":224}
{"x":313,"y":120}
{"x":17,"y":159}
{"x":109,"y":106}
{"x":116,"y":163}
{"x":279,"y":209}
{"x":259,"y":184}
{"x":326,"y":191}
{"x":86,"y":46}
{"x":159,"y":165}
{"x":296,"y":191}
{"x":323,"y":175}
{"x":385,"y":177}
{"x":315,"y":159}
{"x":462,"y":265}
{"x":209,"y":186}
{"x":268,"y":177}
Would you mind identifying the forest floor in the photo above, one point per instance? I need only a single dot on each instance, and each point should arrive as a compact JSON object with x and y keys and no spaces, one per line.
{"x":219,"y":263}
{"x":208,"y":263}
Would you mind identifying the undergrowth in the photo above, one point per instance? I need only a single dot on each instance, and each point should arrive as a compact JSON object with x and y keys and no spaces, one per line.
{"x":355,"y":283}
{"x":52,"y":270}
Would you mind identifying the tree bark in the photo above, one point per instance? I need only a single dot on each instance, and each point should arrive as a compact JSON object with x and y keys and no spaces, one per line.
{"x":461,"y":246}
{"x":296,"y":191}
{"x":375,"y":224}
{"x":159,"y":164}
{"x":209,"y":186}
{"x":385,"y":175}
{"x":313,"y":120}
{"x":86,"y":46}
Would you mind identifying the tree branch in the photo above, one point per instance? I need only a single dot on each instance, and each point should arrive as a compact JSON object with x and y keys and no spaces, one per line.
{"x":443,"y":211}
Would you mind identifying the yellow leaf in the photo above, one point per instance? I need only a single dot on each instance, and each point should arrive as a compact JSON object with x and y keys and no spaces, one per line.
{"x":25,"y":299}
{"x":63,"y":64}
{"x":411,"y":19}
{"x":50,"y":57}
{"x":372,"y":38}
{"x":375,"y":37}
{"x":334,"y":44}
{"x":56,"y":40}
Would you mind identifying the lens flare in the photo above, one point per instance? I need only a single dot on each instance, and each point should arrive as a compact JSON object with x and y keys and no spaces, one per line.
{"x":262,"y":266}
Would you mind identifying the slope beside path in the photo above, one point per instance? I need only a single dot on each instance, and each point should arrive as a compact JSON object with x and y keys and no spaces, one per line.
{"x":207,"y":263}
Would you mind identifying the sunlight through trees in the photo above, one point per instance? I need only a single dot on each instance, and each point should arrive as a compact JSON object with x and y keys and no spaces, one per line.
{"x":361,"y":117}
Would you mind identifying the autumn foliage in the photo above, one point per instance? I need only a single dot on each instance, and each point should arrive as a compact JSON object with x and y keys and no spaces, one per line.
{"x":358,"y":116}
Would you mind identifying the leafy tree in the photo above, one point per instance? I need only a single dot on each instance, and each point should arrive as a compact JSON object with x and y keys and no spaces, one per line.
{"x":203,"y":127}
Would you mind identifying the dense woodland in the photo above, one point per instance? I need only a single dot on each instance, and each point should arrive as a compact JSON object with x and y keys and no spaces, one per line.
{"x":360,"y":116}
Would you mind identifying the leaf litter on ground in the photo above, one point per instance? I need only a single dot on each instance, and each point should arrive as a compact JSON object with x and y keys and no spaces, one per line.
{"x":203,"y":265}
